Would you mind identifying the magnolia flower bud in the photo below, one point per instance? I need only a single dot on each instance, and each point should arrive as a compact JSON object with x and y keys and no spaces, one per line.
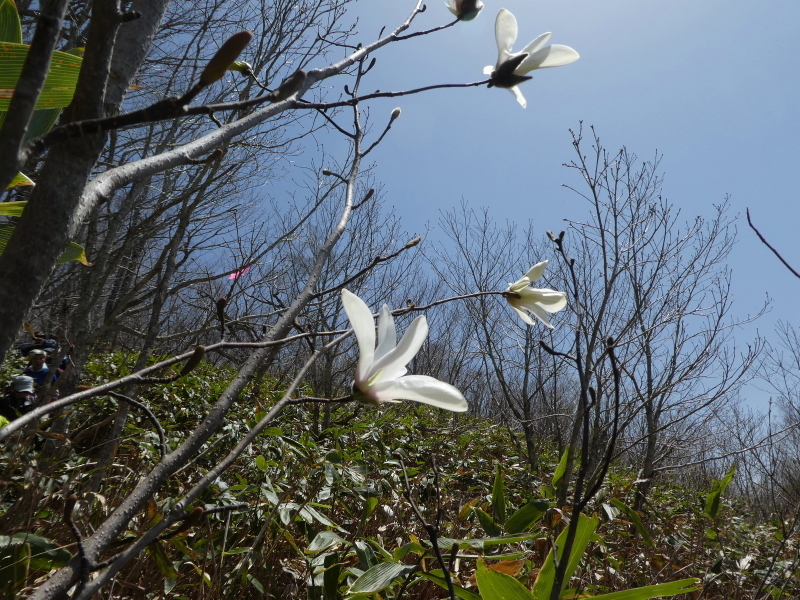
{"x":396,"y":113}
{"x":225,"y":56}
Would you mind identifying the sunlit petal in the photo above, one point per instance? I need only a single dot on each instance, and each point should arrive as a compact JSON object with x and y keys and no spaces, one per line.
{"x":518,"y":95}
{"x":550,"y":300}
{"x":420,"y":388}
{"x":536,"y":271}
{"x":523,"y":315}
{"x":556,"y":55}
{"x":505,"y":32}
{"x":537,"y":44}
{"x":387,"y":334}
{"x":364,"y":328}
{"x":487,"y":70}
{"x":393,"y":364}
{"x":540,"y":314}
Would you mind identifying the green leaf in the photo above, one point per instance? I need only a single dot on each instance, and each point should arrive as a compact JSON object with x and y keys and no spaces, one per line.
{"x":261,"y":463}
{"x":73,"y":251}
{"x":369,"y":506}
{"x":44,"y":553}
{"x":435,"y":577}
{"x":234,"y":551}
{"x":20,"y":179}
{"x":488,"y":523}
{"x":12,"y":209}
{"x":637,"y":520}
{"x":10,"y":27}
{"x":379,"y":577}
{"x":164,"y":564}
{"x":499,"y":586}
{"x":561,"y":469}
{"x":324,"y":540}
{"x":717,"y":489}
{"x":525,"y":518}
{"x":546,"y":578}
{"x":499,"y":496}
{"x":14,"y":564}
{"x":482,"y":543}
{"x":400,"y":553}
{"x":59,"y":86}
{"x":673,"y":588}
{"x":41,"y":122}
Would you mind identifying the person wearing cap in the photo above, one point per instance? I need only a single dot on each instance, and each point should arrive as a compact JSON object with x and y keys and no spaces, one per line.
{"x":19,"y":398}
{"x":37,"y":367}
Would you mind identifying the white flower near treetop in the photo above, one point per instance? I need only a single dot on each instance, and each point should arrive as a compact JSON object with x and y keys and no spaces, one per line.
{"x":381,"y":371}
{"x":511,"y":68}
{"x":464,"y":10}
{"x":538,"y":302}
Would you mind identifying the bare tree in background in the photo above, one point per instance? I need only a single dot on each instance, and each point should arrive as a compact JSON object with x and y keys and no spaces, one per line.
{"x":660,"y":287}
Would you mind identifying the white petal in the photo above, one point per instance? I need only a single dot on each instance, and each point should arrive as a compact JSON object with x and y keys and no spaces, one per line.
{"x":518,"y":95}
{"x":550,"y":56}
{"x":536,"y":271}
{"x":505,"y":32}
{"x":451,"y":6}
{"x":523,"y":315}
{"x":387,"y":334}
{"x":518,"y":285}
{"x":420,"y":388}
{"x":539,"y":313}
{"x":488,"y":70}
{"x":536,"y":44}
{"x":393,"y":364}
{"x":364,"y":327}
{"x":550,"y":300}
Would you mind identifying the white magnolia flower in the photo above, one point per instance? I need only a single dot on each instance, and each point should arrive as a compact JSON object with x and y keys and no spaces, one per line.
{"x":524,"y":298}
{"x":381,"y":373}
{"x":464,"y":10}
{"x":511,"y":68}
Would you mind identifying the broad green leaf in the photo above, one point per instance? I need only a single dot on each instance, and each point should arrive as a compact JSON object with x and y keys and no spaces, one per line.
{"x":637,"y":520}
{"x":59,"y":86}
{"x":673,"y":588}
{"x":44,"y":553}
{"x":379,"y":577}
{"x":164,"y":564}
{"x":261,"y":463}
{"x":527,"y":516}
{"x":717,"y":489}
{"x":234,"y":551}
{"x":20,"y":179}
{"x":324,"y":540}
{"x":12,"y":209}
{"x":41,"y":122}
{"x":14,"y":565}
{"x":499,"y":586}
{"x":73,"y":251}
{"x":499,"y":496}
{"x":400,"y":553}
{"x":369,"y":506}
{"x":255,"y":583}
{"x":482,"y":543}
{"x":436,"y":577}
{"x":488,"y":523}
{"x":561,"y":469}
{"x":546,"y":578}
{"x":10,"y":27}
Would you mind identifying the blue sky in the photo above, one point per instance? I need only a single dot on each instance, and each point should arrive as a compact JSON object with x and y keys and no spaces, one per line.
{"x":711,"y":85}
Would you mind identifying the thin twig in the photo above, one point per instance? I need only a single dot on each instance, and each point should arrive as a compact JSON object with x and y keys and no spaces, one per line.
{"x":432,"y":529}
{"x":150,"y":415}
{"x":767,"y":244}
